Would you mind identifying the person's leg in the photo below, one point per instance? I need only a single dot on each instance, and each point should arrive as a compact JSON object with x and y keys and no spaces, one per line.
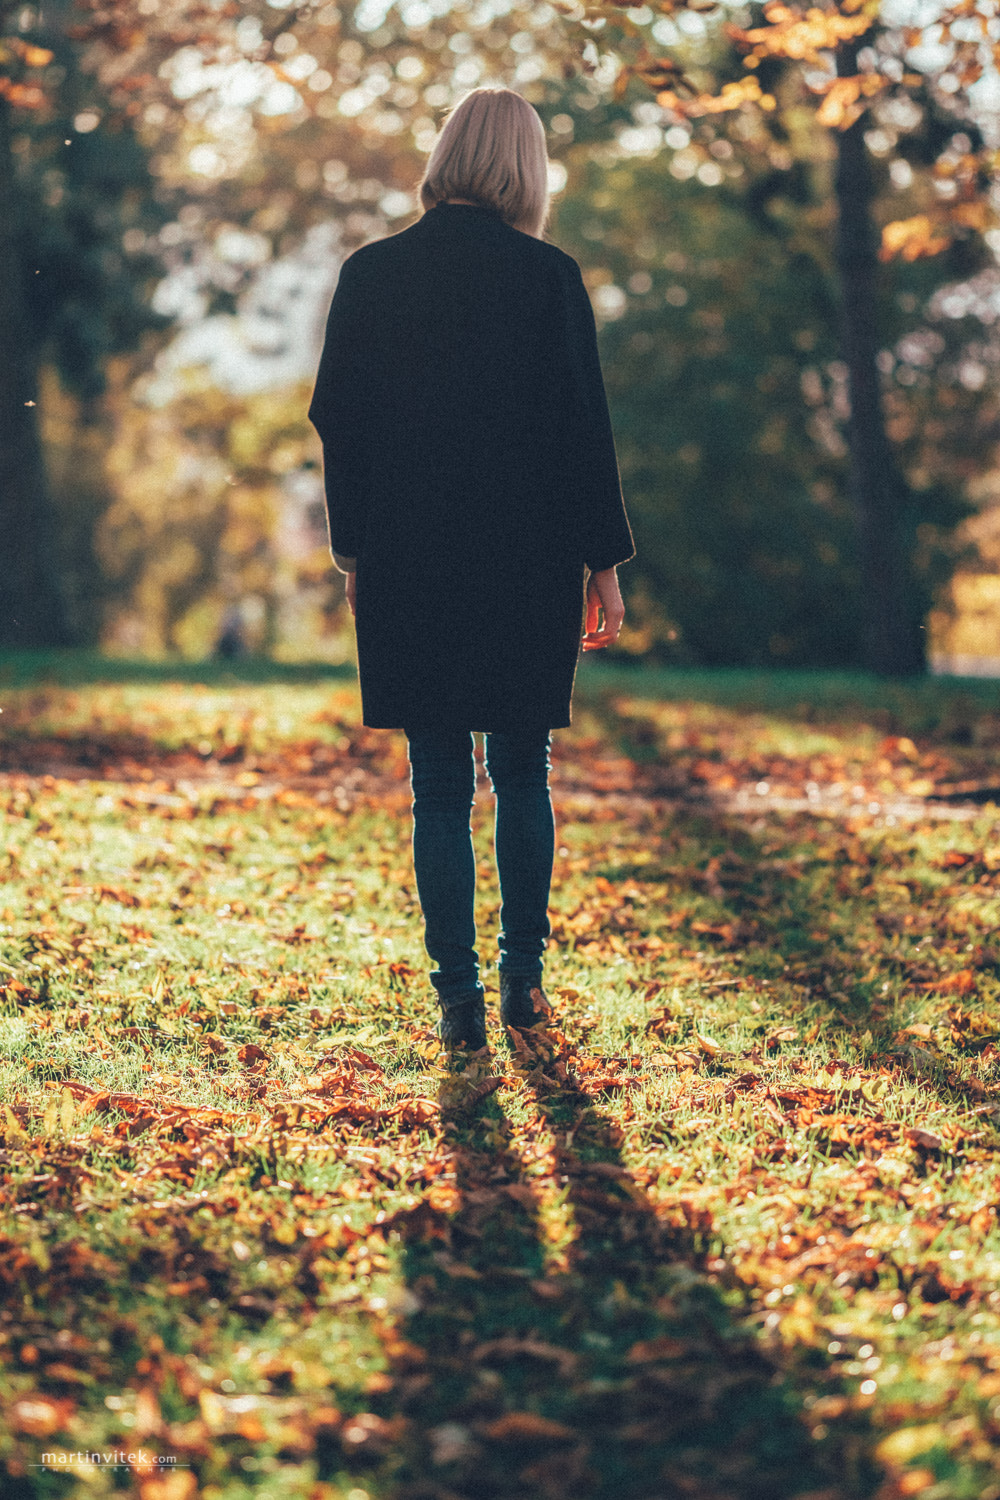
{"x":443,"y":778}
{"x":518,"y":765}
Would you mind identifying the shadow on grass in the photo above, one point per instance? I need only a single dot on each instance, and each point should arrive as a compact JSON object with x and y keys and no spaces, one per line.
{"x":608,"y":1365}
{"x":803,"y":899}
{"x":914,"y":705}
{"x":834,"y":926}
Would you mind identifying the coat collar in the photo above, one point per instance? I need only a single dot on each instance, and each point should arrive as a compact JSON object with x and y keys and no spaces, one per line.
{"x":461,"y":213}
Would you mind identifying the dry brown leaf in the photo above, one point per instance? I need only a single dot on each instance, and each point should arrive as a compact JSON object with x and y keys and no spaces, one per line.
{"x":251,"y":1053}
{"x":928,"y":1139}
{"x":649,"y":1350}
{"x":527,"y":1427}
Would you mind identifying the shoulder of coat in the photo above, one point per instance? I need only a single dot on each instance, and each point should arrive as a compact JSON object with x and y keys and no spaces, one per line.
{"x":370,"y":254}
{"x":559,"y":258}
{"x":543,"y":256}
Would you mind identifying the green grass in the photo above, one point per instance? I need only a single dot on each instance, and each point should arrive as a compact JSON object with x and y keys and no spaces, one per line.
{"x":727,"y":1229}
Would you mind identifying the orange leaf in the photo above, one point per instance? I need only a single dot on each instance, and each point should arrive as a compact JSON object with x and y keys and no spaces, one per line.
{"x":954,"y":984}
{"x":22,"y":95}
{"x":410,"y":1112}
{"x":912,"y":238}
{"x":39,"y":1416}
{"x":527,"y":1427}
{"x":178,"y":1484}
{"x":839,"y":108}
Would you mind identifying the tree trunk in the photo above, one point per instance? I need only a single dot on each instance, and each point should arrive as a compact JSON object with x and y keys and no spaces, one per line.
{"x":894,"y":641}
{"x":32,"y":612}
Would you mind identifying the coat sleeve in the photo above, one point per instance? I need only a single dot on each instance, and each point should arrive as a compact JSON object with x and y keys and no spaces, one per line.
{"x":339,"y":403}
{"x":605,"y":534}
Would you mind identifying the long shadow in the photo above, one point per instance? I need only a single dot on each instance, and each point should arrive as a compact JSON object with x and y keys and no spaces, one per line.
{"x":764,"y":909}
{"x":768,"y":924}
{"x":621,"y":1366}
{"x":611,"y":1366}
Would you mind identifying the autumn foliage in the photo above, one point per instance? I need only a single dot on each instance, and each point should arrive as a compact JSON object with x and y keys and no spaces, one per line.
{"x":727,"y":1226}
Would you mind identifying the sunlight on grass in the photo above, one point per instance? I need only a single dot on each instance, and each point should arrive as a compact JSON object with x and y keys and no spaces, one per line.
{"x":727,"y":1228}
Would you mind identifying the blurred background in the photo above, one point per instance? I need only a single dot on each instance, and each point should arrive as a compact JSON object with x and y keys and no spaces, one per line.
{"x":179,"y":184}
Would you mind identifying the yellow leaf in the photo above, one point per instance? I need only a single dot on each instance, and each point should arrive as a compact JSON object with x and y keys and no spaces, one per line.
{"x":838,"y":108}
{"x":911,"y":238}
{"x":213,"y":1412}
{"x":909,"y":1443}
{"x":12,"y":1125}
{"x":708,"y":1044}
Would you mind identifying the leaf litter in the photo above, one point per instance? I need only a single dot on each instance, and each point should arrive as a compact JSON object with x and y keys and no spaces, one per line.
{"x":726,"y":1226}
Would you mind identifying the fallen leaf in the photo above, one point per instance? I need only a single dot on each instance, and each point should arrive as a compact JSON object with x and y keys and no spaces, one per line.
{"x":251,"y":1053}
{"x":953,"y":984}
{"x":647,"y":1351}
{"x":928,"y":1139}
{"x":527,"y":1427}
{"x":40,"y":1416}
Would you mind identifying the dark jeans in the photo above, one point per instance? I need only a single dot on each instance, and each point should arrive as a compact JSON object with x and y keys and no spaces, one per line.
{"x":443,"y":777}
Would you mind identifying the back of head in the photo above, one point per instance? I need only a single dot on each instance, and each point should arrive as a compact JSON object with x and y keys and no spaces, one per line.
{"x":492,"y":152}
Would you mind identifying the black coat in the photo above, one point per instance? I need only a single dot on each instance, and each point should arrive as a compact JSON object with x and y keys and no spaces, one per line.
{"x":470,"y":468}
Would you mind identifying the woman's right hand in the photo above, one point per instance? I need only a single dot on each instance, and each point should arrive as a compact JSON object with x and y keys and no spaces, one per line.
{"x":603,"y":597}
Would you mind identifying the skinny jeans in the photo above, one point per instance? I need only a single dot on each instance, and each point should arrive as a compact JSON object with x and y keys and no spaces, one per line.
{"x":443,"y":778}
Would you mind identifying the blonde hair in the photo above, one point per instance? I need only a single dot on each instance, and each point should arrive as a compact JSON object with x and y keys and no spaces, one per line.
{"x":492,"y":152}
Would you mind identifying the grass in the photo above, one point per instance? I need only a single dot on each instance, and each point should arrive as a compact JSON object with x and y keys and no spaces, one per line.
{"x":727,"y":1229}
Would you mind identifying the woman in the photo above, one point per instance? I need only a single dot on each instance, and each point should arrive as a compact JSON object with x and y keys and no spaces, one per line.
{"x":471,"y":481}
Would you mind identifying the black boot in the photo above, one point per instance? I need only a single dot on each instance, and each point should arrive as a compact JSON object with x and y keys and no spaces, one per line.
{"x":463,"y":1022}
{"x":522,"y":1001}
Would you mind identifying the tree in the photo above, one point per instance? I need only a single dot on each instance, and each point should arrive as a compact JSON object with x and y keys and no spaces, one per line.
{"x":848,"y":65}
{"x":31,"y":611}
{"x":71,"y":188}
{"x":272,"y":117}
{"x":712,"y":269}
{"x":339,"y":102}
